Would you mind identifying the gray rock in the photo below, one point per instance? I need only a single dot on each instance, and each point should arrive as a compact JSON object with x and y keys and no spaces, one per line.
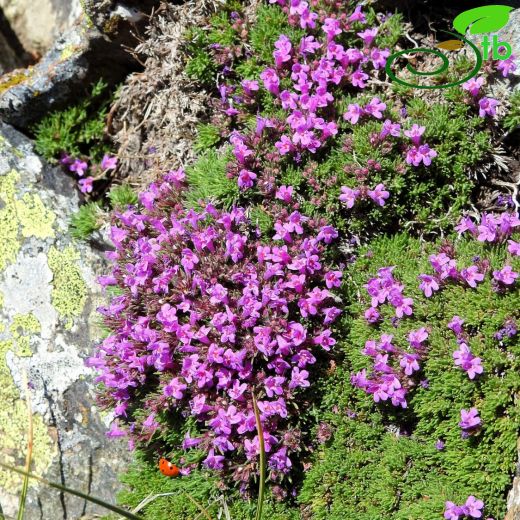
{"x":511,"y":34}
{"x":48,"y":297}
{"x":8,"y":58}
{"x":513,"y":498}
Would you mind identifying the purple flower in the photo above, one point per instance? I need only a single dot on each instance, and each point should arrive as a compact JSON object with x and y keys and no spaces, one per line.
{"x":299,"y":378}
{"x":439,"y":445}
{"x":473,"y":507}
{"x":250,"y":86}
{"x":78,"y":166}
{"x":379,"y":57}
{"x":409,"y":363}
{"x":189,"y":260}
{"x":469,"y":419}
{"x":86,"y":185}
{"x":333,"y":279}
{"x":284,"y":145}
{"x":466,"y":224}
{"x":108,"y":162}
{"x":368,"y":36}
{"x":271,"y":80}
{"x":175,"y":388}
{"x":371,"y":315}
{"x":506,"y":275}
{"x":284,"y":193}
{"x":417,"y":154}
{"x":417,"y":337}
{"x":348,"y":196}
{"x":357,"y":15}
{"x":331,"y":28}
{"x":472,"y":276}
{"x":213,"y":461}
{"x":378,"y":194}
{"x":353,"y":113}
{"x":428,"y":284}
{"x":308,"y":45}
{"x":513,"y":247}
{"x":358,"y":78}
{"x":473,"y":85}
{"x":456,"y":324}
{"x":246,"y":179}
{"x":390,"y":128}
{"x":327,"y":234}
{"x":453,"y":511}
{"x":467,"y":361}
{"x":487,"y":107}
{"x":115,"y":431}
{"x":507,"y":66}
{"x":376,"y":108}
{"x":308,"y":19}
{"x":282,"y":54}
{"x":415,"y":134}
{"x":279,"y":461}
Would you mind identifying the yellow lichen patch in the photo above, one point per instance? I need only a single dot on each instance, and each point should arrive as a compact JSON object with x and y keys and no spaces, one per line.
{"x":13,"y":429}
{"x":22,"y":327}
{"x":14,"y":78}
{"x":35,"y":218}
{"x":68,"y":51}
{"x":29,"y":213}
{"x":8,"y":220}
{"x":69,"y":290}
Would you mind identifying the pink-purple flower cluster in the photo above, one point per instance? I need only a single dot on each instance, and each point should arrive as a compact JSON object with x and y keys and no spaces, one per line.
{"x":79,"y":167}
{"x":419,"y":152}
{"x":314,"y":66}
{"x":374,"y":109}
{"x":385,"y":288}
{"x":463,"y":356}
{"x":393,"y":367}
{"x":472,"y":508}
{"x":490,"y":228}
{"x":486,"y":105}
{"x":378,"y":195}
{"x":208,"y":316}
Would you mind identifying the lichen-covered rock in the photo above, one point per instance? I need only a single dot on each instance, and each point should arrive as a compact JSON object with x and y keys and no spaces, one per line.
{"x":48,"y":297}
{"x":54,"y":16}
{"x":79,"y":57}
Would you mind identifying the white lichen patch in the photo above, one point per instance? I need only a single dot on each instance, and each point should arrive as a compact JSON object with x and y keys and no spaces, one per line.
{"x":31,"y":277}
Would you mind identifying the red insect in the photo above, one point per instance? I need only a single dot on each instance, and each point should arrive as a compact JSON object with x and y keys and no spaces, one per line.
{"x":168,"y":469}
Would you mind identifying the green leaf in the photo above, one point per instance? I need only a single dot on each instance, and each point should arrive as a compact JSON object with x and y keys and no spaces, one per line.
{"x":485,"y":19}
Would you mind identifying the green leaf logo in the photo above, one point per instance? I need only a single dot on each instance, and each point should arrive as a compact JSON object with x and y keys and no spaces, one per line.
{"x":486,"y":19}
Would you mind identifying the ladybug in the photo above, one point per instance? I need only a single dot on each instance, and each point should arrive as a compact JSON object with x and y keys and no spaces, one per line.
{"x":168,"y":469}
